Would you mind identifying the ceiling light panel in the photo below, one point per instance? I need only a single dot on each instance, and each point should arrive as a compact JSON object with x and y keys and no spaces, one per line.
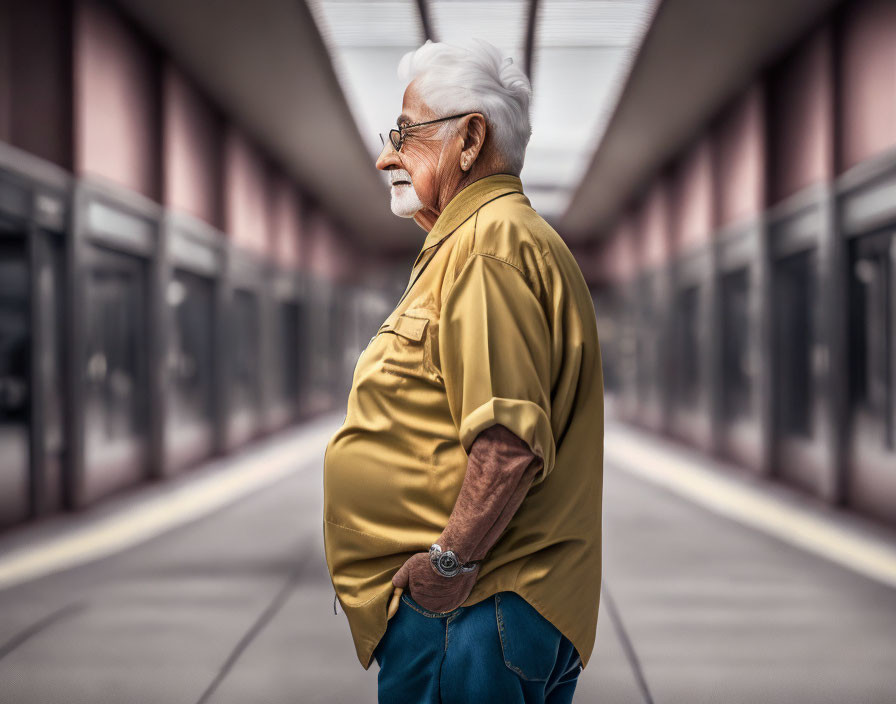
{"x":501,"y":23}
{"x":582,"y":52}
{"x":366,"y":40}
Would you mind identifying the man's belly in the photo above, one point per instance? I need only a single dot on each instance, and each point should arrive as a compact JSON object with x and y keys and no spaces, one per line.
{"x":383,"y":501}
{"x":392,"y":472}
{"x":377,"y":483}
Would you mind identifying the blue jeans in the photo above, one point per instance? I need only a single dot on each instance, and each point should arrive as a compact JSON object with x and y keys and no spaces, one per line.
{"x":497,"y":650}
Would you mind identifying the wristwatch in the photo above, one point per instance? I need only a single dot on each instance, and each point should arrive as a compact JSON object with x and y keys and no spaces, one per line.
{"x":446,"y":563}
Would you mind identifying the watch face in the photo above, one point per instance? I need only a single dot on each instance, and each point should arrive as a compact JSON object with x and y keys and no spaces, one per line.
{"x":447,"y":564}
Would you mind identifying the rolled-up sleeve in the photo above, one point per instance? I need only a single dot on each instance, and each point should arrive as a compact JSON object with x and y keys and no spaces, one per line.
{"x":494,"y":348}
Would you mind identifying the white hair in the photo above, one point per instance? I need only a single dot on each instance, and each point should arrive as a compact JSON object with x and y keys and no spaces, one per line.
{"x":475,"y":78}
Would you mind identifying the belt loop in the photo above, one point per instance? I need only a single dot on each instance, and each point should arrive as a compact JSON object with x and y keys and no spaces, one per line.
{"x":335,"y":597}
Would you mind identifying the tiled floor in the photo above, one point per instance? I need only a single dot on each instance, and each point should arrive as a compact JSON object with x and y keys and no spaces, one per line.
{"x":237,"y":607}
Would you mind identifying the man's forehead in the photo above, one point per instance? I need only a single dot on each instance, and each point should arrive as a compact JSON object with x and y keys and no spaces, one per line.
{"x":413,"y":107}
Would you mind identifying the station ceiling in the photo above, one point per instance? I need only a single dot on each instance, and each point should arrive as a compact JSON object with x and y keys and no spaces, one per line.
{"x":575,"y":51}
{"x":696,"y":56}
{"x":265,"y":65}
{"x":620,"y":86}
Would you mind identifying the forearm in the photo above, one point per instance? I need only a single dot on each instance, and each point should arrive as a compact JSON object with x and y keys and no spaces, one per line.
{"x":500,"y":470}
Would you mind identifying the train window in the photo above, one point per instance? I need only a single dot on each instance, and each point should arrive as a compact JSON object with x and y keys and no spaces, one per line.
{"x":629,"y":340}
{"x":51,"y":318}
{"x":189,"y":361}
{"x":607,"y":309}
{"x":115,"y":370}
{"x":244,"y":345}
{"x":336,"y":339}
{"x":646,"y":342}
{"x":52,"y":352}
{"x":320,"y":332}
{"x":873,"y":391}
{"x":14,"y":372}
{"x":735,"y":323}
{"x":288,"y":362}
{"x":304,"y":340}
{"x":686,"y":379}
{"x":14,"y":335}
{"x":795,"y":293}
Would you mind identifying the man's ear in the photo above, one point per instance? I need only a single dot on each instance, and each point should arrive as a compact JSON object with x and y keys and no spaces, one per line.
{"x":473,"y":130}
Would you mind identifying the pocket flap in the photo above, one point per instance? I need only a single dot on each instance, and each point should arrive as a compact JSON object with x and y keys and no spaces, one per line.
{"x":410,"y":327}
{"x":418,"y":313}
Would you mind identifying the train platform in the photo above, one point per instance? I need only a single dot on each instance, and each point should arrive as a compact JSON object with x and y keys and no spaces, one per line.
{"x":212,"y":587}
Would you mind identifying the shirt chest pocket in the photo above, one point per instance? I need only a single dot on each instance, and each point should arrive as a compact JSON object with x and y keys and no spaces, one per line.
{"x":408,"y":344}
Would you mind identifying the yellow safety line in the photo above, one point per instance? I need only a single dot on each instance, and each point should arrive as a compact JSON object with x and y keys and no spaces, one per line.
{"x":136,"y":524}
{"x":797,"y":525}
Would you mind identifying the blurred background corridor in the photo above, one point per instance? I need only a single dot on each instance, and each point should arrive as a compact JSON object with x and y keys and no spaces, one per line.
{"x":195,"y":247}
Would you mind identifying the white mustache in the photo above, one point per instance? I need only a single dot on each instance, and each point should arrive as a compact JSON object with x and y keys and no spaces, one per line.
{"x":399,"y":175}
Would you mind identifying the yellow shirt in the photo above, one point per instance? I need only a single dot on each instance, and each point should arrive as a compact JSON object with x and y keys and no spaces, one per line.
{"x":496,"y":326}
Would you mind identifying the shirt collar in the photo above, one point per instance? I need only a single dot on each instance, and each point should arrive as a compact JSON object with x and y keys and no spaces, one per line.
{"x":466,"y":202}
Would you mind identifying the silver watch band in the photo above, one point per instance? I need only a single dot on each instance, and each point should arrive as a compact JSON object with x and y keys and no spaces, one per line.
{"x":445,"y":562}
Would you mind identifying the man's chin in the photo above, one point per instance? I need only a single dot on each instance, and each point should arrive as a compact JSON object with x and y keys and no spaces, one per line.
{"x":405,"y":210}
{"x":404,"y":201}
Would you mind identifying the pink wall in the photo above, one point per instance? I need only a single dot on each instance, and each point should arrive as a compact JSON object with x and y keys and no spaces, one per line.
{"x":801,"y":117}
{"x":350,"y":260}
{"x":692,"y":207}
{"x":617,"y":261}
{"x":246,"y":211}
{"x":35,"y":78}
{"x":654,"y":224}
{"x":286,"y":221}
{"x":868,"y":81}
{"x":192,"y":146}
{"x":587,"y":259}
{"x":329,"y":255}
{"x":5,"y":77}
{"x":116,"y":101}
{"x":601,"y":266}
{"x":321,"y":257}
{"x":739,"y":152}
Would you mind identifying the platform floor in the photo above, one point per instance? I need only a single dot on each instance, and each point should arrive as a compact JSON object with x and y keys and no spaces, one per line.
{"x":237,"y":607}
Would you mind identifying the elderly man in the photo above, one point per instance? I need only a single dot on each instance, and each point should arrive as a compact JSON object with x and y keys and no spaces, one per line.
{"x":466,"y":480}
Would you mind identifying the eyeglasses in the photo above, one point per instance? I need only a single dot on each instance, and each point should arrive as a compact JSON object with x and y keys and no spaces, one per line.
{"x":396,"y":136}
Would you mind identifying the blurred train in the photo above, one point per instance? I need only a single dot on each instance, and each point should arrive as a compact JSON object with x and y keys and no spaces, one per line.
{"x":746,"y":294}
{"x":167,"y":292}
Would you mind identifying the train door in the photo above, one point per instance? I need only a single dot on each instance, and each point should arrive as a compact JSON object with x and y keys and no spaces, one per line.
{"x":872,"y":320}
{"x":796,"y":362}
{"x":687,"y":417}
{"x":190,"y":369}
{"x":245,"y":333}
{"x":304,"y":354}
{"x":736,"y":401}
{"x":15,"y":375}
{"x":646,"y":344}
{"x":686,"y":345}
{"x":288,"y":362}
{"x":50,"y":339}
{"x":115,"y":394}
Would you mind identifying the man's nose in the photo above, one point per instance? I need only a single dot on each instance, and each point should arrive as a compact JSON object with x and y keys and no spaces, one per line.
{"x":388,"y":158}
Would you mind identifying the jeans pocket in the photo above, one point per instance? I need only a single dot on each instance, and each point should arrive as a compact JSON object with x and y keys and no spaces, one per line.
{"x":406,"y":598}
{"x":529,"y":641}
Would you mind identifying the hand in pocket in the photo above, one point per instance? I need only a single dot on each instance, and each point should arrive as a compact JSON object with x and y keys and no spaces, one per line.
{"x":430,"y":589}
